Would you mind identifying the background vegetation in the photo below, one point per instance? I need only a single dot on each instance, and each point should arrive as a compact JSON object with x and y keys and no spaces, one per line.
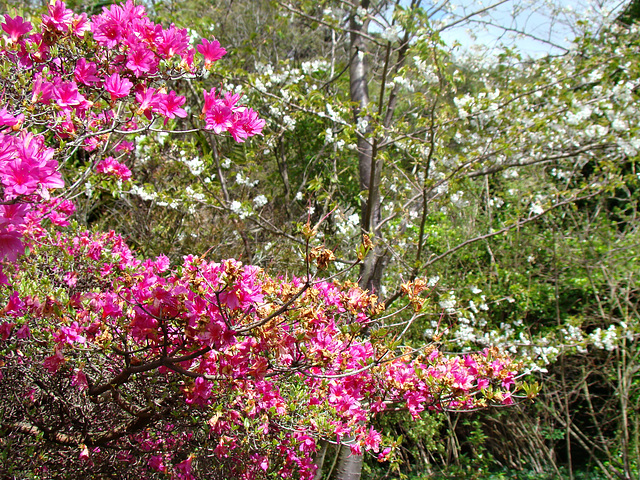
{"x":510,"y":182}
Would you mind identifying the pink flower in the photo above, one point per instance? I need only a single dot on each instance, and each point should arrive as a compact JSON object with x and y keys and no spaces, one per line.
{"x":69,"y":335}
{"x":110,"y":166}
{"x":13,"y":215}
{"x":218,"y":115}
{"x":5,"y":330}
{"x":211,"y":51}
{"x":384,"y":455}
{"x":11,"y":246}
{"x":80,"y":25}
{"x":174,"y":42}
{"x":157,"y":463}
{"x":59,"y":18}
{"x":85,"y":72}
{"x":117,"y":87}
{"x":125,"y":146}
{"x":84,"y":453}
{"x":140,"y":60}
{"x":246,"y":123}
{"x":52,"y":363}
{"x":107,"y":33}
{"x":67,"y":95}
{"x":15,"y":27}
{"x":149,"y":101}
{"x":483,"y":383}
{"x":15,"y":306}
{"x":170,"y":105}
{"x":183,"y":469}
{"x":79,"y":380}
{"x":372,"y":440}
{"x":42,"y":90}
{"x":9,"y":120}
{"x":507,"y":398}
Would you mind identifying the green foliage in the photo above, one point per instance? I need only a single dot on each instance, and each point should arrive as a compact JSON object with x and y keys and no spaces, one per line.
{"x":474,"y":153}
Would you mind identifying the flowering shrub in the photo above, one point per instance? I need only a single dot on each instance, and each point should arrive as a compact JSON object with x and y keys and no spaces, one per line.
{"x":107,"y":359}
{"x":70,"y":81}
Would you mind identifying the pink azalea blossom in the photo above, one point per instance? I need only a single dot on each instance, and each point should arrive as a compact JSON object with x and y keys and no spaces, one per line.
{"x":211,"y":51}
{"x":141,"y":61}
{"x":69,"y":335}
{"x":15,"y":27}
{"x":10,"y":120}
{"x":80,"y":25}
{"x":85,"y":72}
{"x":173,"y":42}
{"x":52,"y":363}
{"x":66,"y":95}
{"x":149,"y":101}
{"x":125,"y":146}
{"x":170,"y":105}
{"x":59,"y":18}
{"x":117,"y":86}
{"x":110,"y":166}
{"x":5,"y":330}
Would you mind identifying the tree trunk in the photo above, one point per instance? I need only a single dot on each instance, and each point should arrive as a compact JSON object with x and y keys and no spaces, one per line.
{"x":349,"y":465}
{"x":319,"y":459}
{"x":368,"y":168}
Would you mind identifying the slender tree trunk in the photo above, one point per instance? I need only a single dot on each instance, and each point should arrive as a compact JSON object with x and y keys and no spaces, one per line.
{"x":349,"y":465}
{"x":368,"y":168}
{"x":319,"y":459}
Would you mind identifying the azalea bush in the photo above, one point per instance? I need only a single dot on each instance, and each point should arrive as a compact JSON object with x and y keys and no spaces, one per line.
{"x":111,"y":364}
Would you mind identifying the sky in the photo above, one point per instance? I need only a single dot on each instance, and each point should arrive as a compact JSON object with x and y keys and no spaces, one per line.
{"x":544,"y":26}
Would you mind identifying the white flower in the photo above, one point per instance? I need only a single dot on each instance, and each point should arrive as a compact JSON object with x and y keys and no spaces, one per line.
{"x":299,"y":196}
{"x":362,"y":125}
{"x":391,"y":34}
{"x":536,"y":209}
{"x":260,"y":201}
{"x":195,"y":165}
{"x":236,"y":206}
{"x":457,"y":200}
{"x":496,"y":202}
{"x":328,"y":135}
{"x":619,"y":125}
{"x":289,"y":122}
{"x":449,"y":305}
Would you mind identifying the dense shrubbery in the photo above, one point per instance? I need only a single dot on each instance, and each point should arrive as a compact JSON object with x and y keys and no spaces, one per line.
{"x":115,"y":365}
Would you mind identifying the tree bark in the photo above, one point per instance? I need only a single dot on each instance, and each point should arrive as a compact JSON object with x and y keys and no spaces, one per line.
{"x":349,"y":465}
{"x":368,"y":167}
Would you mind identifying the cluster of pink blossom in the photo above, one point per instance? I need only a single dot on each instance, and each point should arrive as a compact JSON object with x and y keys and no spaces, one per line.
{"x":234,"y":340}
{"x":110,"y":166}
{"x":79,"y":94}
{"x":129,"y":56}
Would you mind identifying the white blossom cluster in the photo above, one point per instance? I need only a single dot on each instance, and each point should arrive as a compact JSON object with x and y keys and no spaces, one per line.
{"x":239,"y":209}
{"x":260,"y":201}
{"x":245,"y":181}
{"x":195,"y":164}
